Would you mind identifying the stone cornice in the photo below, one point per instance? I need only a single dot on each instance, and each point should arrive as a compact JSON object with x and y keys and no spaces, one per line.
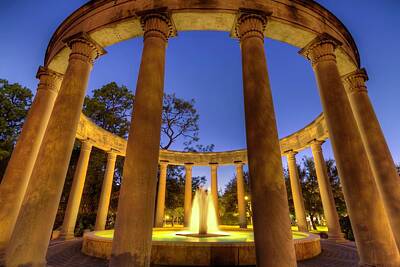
{"x":355,"y":82}
{"x":322,"y":48}
{"x":106,"y":141}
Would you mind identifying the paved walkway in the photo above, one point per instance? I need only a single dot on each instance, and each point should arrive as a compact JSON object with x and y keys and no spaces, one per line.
{"x":68,"y":253}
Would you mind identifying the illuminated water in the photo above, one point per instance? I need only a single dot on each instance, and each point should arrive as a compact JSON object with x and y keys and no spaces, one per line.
{"x":203,"y":218}
{"x":170,"y":236}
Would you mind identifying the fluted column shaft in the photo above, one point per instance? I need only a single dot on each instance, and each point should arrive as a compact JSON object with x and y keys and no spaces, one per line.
{"x":241,"y":195}
{"x":16,"y":176}
{"x":187,"y":205}
{"x":75,"y":196}
{"x":214,"y":186}
{"x":162,"y":186}
{"x":33,"y":229}
{"x":297,"y":194}
{"x":375,"y":242}
{"x":378,"y":153}
{"x":104,"y":202}
{"x":325,"y":190}
{"x":268,"y":191}
{"x":135,"y":218}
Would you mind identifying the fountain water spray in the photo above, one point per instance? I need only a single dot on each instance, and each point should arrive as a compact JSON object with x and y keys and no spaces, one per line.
{"x":203,"y":219}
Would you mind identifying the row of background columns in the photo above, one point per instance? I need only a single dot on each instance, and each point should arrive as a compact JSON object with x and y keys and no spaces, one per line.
{"x":325,"y":190}
{"x":187,"y":205}
{"x":214,"y":186}
{"x":297,"y":194}
{"x":75,"y":195}
{"x":162,"y":184}
{"x":240,"y":195}
{"x":104,"y":202}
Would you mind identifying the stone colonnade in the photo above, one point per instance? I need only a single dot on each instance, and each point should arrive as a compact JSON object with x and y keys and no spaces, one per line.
{"x":371,"y":193}
{"x":374,"y":236}
{"x":29,"y":240}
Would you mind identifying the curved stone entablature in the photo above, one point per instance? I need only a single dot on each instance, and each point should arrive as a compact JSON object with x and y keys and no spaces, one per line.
{"x":107,"y":141}
{"x":296,"y":22}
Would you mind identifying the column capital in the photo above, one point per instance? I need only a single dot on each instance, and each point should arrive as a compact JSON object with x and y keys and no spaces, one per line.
{"x":316,"y":145}
{"x":355,"y":81}
{"x":322,"y":48}
{"x":238,"y":163}
{"x":291,"y":154}
{"x":157,"y":23}
{"x":111,"y":155}
{"x":163,"y":163}
{"x":251,"y":23}
{"x":48,"y":79}
{"x":84,"y":48}
{"x":213,"y":164}
{"x":86,"y":145}
{"x":188,"y":165}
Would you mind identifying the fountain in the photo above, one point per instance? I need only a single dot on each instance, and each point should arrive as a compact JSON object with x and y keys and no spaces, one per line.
{"x":203,"y":219}
{"x":203,"y":243}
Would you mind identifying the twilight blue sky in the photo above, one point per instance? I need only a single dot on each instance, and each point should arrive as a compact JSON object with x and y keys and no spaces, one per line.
{"x":206,"y":66}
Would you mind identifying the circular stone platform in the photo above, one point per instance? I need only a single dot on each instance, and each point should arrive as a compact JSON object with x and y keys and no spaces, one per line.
{"x":171,"y":249}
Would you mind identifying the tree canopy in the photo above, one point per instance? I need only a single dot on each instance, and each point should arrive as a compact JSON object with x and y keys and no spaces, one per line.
{"x":15,"y":101}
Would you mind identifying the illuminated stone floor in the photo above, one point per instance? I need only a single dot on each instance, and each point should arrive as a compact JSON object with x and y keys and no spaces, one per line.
{"x":68,"y":253}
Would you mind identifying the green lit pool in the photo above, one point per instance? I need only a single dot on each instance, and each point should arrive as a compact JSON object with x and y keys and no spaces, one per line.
{"x":170,"y":236}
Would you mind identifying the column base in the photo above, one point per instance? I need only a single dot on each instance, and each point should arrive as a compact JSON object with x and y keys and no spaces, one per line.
{"x":337,"y":238}
{"x":2,"y":257}
{"x":66,"y":236}
{"x":243,"y":226}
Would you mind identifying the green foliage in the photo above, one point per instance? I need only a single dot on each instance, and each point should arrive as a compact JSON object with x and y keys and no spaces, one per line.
{"x":110,"y":107}
{"x":310,"y":188}
{"x":345,"y":225}
{"x":228,"y":201}
{"x":15,"y":101}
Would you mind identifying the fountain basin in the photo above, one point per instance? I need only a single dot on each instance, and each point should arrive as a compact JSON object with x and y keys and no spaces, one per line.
{"x":237,"y":248}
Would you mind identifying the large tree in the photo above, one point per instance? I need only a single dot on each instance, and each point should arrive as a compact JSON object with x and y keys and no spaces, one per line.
{"x":180,"y":120}
{"x":110,"y":107}
{"x":15,"y":101}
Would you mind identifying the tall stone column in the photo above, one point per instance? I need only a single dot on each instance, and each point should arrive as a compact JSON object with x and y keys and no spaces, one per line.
{"x":16,"y":176}
{"x":375,"y":242}
{"x":106,"y":188}
{"x":241,"y":195}
{"x":187,"y":205}
{"x":325,"y":190}
{"x":268,"y":191}
{"x":29,"y":241}
{"x":135,"y":218}
{"x":214,"y":186}
{"x":162,"y":185}
{"x":75,"y":196}
{"x":297,"y":194}
{"x":378,"y":153}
